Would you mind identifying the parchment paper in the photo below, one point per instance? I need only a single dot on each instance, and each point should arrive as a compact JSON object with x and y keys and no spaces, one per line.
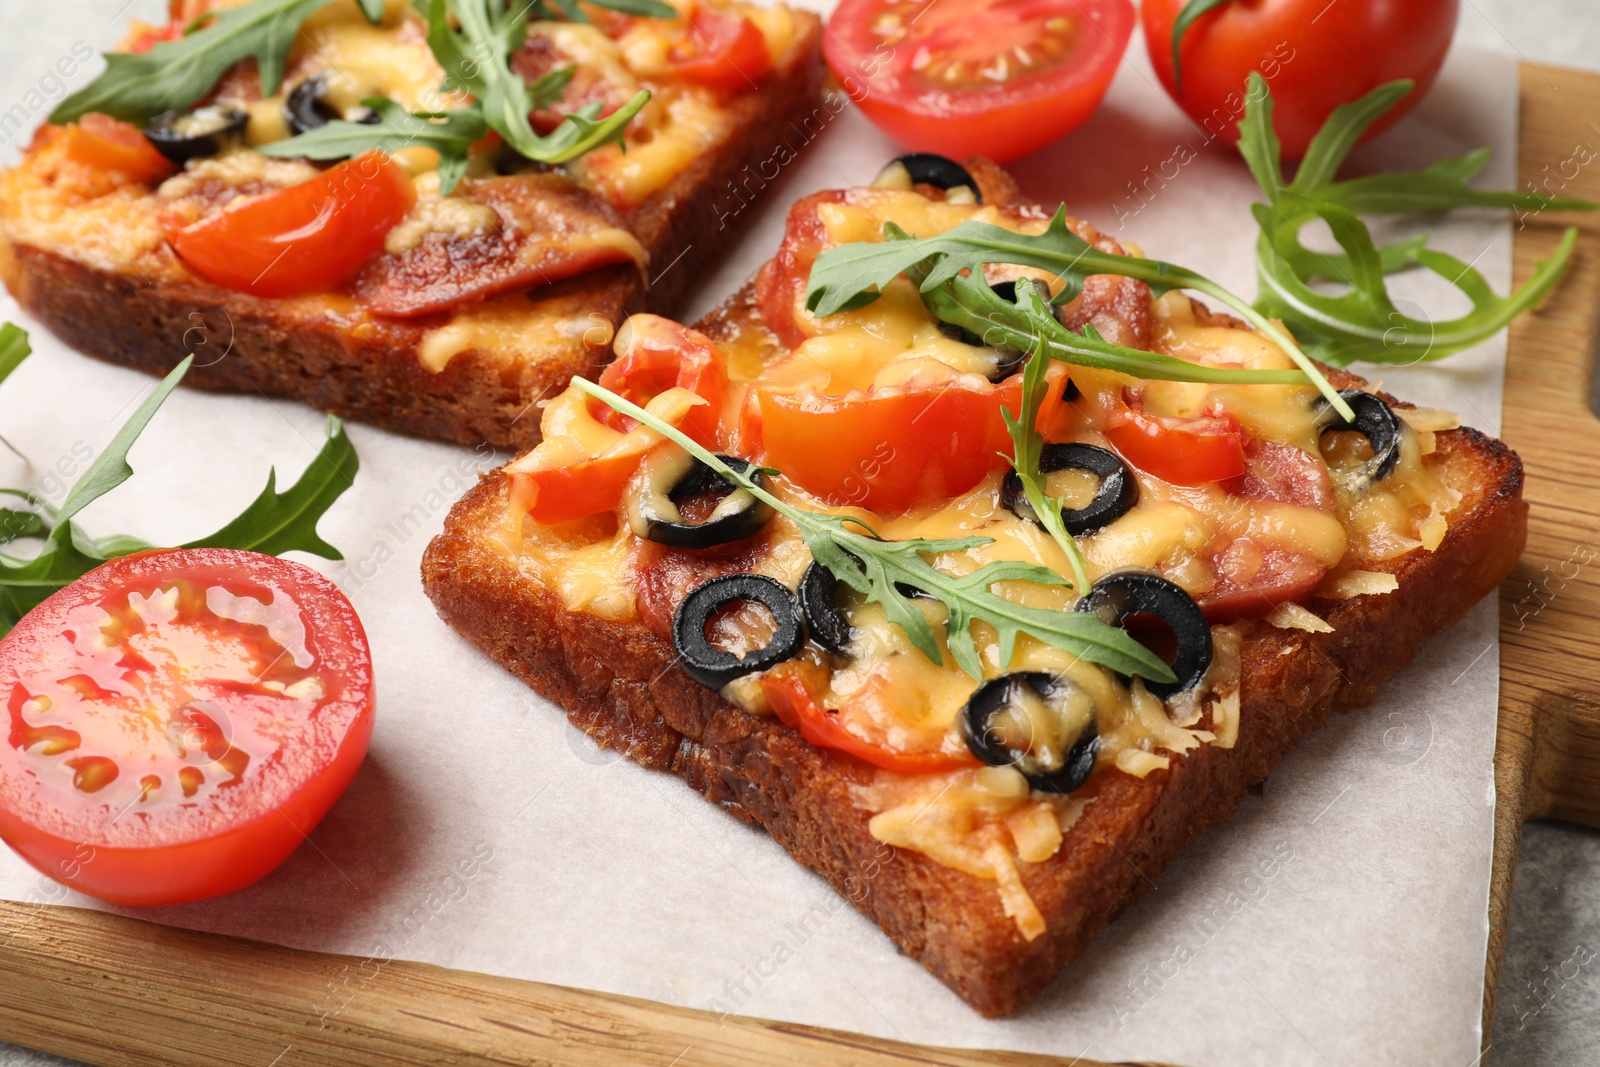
{"x":1340,"y":917}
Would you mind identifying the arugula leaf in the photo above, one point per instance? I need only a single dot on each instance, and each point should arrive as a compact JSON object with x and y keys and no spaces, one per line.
{"x":842,"y":274}
{"x":474,"y":40}
{"x":14,"y":348}
{"x":653,"y":9}
{"x":450,"y":133}
{"x":373,"y":9}
{"x":1363,"y":322}
{"x":1027,"y":446}
{"x":1180,"y":26}
{"x":967,"y":301}
{"x":24,"y":583}
{"x":276,"y":522}
{"x":873,"y":567}
{"x":110,"y":469}
{"x":175,"y":74}
{"x":15,"y":524}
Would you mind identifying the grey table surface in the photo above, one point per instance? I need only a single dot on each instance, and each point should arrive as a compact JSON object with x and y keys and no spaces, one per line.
{"x":1549,"y":1007}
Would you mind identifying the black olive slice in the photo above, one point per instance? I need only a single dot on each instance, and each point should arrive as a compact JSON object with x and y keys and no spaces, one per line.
{"x":671,"y":476}
{"x":819,"y":603}
{"x":205,"y":131}
{"x":715,"y":667}
{"x":1375,"y":421}
{"x":1123,"y":593}
{"x":1017,"y":720}
{"x":307,"y":107}
{"x":927,"y":168}
{"x":1117,"y":495}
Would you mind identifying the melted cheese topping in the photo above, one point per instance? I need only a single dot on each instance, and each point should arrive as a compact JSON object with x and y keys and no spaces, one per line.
{"x":986,"y":822}
{"x":679,"y":125}
{"x":511,"y":328}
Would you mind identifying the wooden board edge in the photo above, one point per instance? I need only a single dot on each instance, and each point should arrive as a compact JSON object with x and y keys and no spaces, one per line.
{"x":1547,"y":757}
{"x":70,"y":977}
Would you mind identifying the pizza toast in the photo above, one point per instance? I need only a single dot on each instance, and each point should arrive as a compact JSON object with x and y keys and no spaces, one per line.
{"x":594,"y":633}
{"x":89,"y":251}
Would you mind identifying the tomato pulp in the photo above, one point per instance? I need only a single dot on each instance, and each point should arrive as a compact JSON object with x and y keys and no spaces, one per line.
{"x":178,"y":723}
{"x":1313,"y":54}
{"x":974,"y":77}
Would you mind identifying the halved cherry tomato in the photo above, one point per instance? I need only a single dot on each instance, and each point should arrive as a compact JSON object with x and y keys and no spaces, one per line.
{"x":179,"y":722}
{"x":1183,"y":451}
{"x":304,"y":238}
{"x":104,"y":143}
{"x":721,"y":50}
{"x":974,"y":77}
{"x":791,"y":701}
{"x":886,"y":453}
{"x":656,"y":354}
{"x":1313,"y":54}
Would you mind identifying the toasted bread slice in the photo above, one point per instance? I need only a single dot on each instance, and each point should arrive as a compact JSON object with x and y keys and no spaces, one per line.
{"x":98,"y":274}
{"x":619,"y":683}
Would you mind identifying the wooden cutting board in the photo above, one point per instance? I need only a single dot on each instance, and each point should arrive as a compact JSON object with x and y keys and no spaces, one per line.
{"x":118,"y":991}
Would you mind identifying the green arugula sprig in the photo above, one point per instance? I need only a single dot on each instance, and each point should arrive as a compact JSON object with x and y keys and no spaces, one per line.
{"x":450,"y":133}
{"x":1027,"y":446}
{"x":873,"y":567}
{"x":474,"y":40}
{"x":13,"y":350}
{"x":1363,"y":322}
{"x":176,"y":74}
{"x":853,"y":275}
{"x":275,"y":522}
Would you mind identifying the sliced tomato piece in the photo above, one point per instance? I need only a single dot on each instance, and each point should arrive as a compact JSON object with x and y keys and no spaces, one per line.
{"x":886,"y":453}
{"x":975,"y":77}
{"x":302,"y":239}
{"x":179,"y":721}
{"x":574,"y":490}
{"x":792,"y":702}
{"x":1183,"y":451}
{"x":781,"y":283}
{"x":1254,"y":577}
{"x":567,"y":477}
{"x":655,"y":354}
{"x":104,"y":143}
{"x":535,"y":232}
{"x":721,"y":50}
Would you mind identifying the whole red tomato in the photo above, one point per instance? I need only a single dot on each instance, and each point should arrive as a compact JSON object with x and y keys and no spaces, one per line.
{"x":1314,"y":54}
